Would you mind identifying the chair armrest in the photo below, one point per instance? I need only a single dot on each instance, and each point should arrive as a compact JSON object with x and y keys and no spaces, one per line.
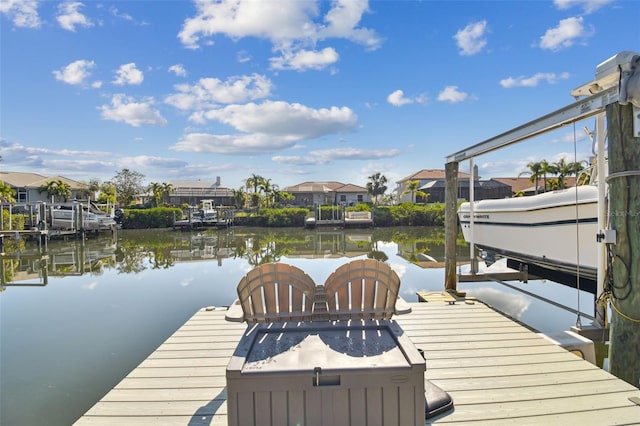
{"x":235,"y":313}
{"x":402,"y":307}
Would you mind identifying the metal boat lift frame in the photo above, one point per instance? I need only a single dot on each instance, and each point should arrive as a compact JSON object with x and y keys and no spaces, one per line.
{"x":609,"y":75}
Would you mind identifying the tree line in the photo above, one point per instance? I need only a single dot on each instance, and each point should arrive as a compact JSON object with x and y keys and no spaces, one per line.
{"x":560,"y":169}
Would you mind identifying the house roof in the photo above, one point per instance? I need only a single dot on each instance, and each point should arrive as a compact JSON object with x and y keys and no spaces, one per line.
{"x":351,"y":188}
{"x":314,"y":187}
{"x":18,"y":179}
{"x":199,"y":184}
{"x":34,"y":180}
{"x":431,"y":174}
{"x":516,"y":184}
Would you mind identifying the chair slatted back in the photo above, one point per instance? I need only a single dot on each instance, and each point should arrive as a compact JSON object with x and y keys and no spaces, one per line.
{"x":362,"y":289}
{"x":276,"y":292}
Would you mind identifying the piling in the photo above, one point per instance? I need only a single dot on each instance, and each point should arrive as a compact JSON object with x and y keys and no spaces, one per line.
{"x":450,"y":225}
{"x":624,"y":264}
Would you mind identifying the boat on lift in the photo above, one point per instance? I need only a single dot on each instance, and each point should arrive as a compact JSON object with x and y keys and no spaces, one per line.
{"x":553,"y":233}
{"x":76,"y":215}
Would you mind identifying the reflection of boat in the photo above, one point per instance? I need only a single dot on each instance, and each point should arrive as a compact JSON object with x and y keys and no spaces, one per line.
{"x":555,"y":230}
{"x":77,"y":215}
{"x":60,"y":259}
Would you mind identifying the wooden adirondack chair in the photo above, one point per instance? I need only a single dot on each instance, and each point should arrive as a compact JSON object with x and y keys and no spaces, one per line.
{"x":364,"y":289}
{"x":274,"y":292}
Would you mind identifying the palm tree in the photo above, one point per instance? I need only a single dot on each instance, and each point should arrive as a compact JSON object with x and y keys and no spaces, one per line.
{"x":412,"y":188}
{"x":564,"y":169}
{"x":267,"y":188}
{"x":156,"y":190}
{"x":253,"y":182}
{"x":167,"y":189}
{"x":546,"y":168}
{"x":377,"y":186}
{"x":240,"y":197}
{"x":56,"y":188}
{"x":535,"y":170}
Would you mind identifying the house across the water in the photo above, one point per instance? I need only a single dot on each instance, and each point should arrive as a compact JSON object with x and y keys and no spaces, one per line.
{"x":309,"y":194}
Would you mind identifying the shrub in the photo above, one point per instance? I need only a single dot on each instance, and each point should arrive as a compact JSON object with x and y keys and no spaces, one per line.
{"x":289,"y":216}
{"x":157,"y":217}
{"x":17,"y":220}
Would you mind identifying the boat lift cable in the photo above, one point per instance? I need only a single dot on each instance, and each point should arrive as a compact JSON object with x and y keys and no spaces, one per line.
{"x":575,"y":161}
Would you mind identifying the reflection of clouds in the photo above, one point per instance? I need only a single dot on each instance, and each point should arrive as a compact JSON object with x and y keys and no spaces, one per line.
{"x":399,"y":268}
{"x":513,"y":305}
{"x":408,"y":291}
{"x":90,"y":286}
{"x":185,"y":282}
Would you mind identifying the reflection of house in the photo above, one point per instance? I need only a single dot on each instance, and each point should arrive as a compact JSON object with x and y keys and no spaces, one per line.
{"x":193,"y":191}
{"x":26,"y":186}
{"x":318,"y":193}
{"x":432,"y":183}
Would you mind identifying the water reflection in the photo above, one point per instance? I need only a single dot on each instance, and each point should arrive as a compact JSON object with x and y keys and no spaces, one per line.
{"x":26,"y":264}
{"x":103,"y":305}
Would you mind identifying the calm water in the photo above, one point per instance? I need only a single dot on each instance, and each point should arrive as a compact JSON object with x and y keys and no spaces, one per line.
{"x":74,"y":323}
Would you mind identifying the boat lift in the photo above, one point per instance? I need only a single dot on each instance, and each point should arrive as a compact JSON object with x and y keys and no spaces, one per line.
{"x":616,"y":80}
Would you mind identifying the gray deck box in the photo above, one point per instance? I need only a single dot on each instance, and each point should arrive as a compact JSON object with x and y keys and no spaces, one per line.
{"x":326,"y":373}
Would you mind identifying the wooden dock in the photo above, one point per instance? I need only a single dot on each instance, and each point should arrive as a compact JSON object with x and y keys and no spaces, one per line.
{"x":497,"y":371}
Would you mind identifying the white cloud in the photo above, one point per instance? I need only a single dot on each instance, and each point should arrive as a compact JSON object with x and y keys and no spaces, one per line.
{"x":397,"y":98}
{"x":76,"y":72}
{"x":126,"y":109}
{"x":178,"y":69}
{"x":297,"y":160}
{"x":325,"y":156}
{"x":533,"y":80}
{"x":355,"y":153}
{"x":128,"y":74}
{"x":564,"y":35}
{"x":305,"y":59}
{"x":23,"y":13}
{"x":453,"y":95}
{"x":69,"y":16}
{"x":267,"y":127}
{"x":115,"y":12}
{"x":292,"y":26}
{"x":471,"y":39}
{"x":343,"y":20}
{"x":232,"y":144}
{"x":588,"y":6}
{"x":144,"y":161}
{"x":210,"y":92}
{"x":292,"y":120}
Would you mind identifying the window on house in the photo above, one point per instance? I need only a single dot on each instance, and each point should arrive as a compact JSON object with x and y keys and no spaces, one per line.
{"x":360,"y":198}
{"x":343,"y":198}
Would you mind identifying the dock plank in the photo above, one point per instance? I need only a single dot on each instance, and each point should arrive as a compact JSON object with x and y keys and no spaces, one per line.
{"x":497,"y":371}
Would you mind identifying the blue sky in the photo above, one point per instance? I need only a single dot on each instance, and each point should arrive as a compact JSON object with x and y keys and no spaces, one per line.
{"x":293,"y":91}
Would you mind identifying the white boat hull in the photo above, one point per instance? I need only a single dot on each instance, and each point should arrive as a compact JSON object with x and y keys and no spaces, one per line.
{"x":551,"y":230}
{"x":66,"y":218}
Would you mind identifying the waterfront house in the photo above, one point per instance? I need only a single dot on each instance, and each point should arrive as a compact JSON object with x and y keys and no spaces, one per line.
{"x":336,"y":193}
{"x":193,"y":191}
{"x":27,"y":185}
{"x":432,"y":183}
